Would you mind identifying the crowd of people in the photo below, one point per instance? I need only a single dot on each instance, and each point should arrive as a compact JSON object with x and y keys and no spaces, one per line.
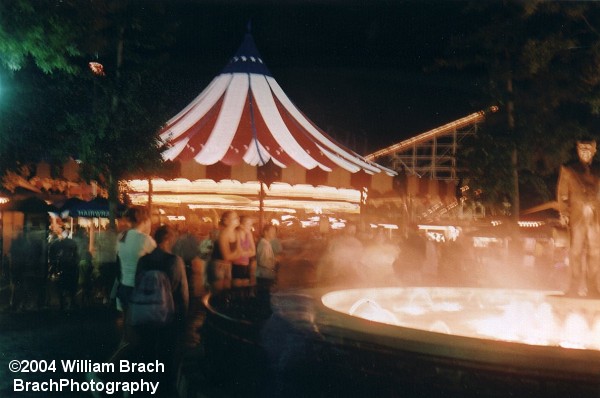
{"x":60,"y":271}
{"x":49,"y":270}
{"x":159,"y":273}
{"x":56,"y":268}
{"x":152,"y":292}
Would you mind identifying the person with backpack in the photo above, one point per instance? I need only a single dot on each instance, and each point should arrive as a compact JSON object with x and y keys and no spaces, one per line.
{"x":154,"y":302}
{"x":156,"y":314}
{"x":158,"y":306}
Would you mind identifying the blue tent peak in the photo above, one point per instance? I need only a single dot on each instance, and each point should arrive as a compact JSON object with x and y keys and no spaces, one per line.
{"x":247,"y":59}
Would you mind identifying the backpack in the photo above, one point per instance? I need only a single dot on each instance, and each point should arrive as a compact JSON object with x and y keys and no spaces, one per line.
{"x":151,"y":301}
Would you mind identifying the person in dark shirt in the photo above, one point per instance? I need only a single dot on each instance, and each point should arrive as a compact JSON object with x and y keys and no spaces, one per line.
{"x":64,"y":270}
{"x":164,"y":342}
{"x":163,"y":258}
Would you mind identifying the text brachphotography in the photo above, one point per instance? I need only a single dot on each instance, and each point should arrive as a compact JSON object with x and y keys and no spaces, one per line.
{"x":108,"y":387}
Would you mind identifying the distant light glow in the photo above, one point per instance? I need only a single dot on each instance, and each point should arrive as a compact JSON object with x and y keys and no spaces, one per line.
{"x":530,"y":224}
{"x":484,"y":241}
{"x":436,"y":237}
{"x":441,"y":233}
{"x":338,"y":225}
{"x":242,"y":208}
{"x":97,"y":68}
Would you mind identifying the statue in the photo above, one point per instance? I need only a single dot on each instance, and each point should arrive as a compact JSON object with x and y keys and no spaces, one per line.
{"x":578,"y":204}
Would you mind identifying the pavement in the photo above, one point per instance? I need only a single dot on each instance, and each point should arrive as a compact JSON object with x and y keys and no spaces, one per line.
{"x":89,"y":333}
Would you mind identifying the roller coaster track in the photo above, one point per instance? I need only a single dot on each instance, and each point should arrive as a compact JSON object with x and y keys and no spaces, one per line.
{"x":433,"y":152}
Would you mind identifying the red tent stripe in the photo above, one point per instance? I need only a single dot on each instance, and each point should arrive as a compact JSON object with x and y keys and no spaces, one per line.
{"x":265,"y":101}
{"x":302,"y":136}
{"x":190,"y":107}
{"x":268,"y":141}
{"x":199,"y":132}
{"x":242,"y":137}
{"x":201,"y":106}
{"x":223,"y":133}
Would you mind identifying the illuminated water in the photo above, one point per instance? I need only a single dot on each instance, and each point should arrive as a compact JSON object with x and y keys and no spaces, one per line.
{"x":531,"y":317}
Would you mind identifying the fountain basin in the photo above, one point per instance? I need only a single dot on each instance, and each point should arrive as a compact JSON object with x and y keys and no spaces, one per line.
{"x":515,"y":331}
{"x":332,"y":343}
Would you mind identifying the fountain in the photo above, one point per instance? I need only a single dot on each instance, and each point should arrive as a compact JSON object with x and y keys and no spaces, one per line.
{"x":540,"y":318}
{"x":421,"y":341}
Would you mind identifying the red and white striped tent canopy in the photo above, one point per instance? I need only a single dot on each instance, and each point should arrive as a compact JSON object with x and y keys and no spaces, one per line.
{"x":244,"y":116}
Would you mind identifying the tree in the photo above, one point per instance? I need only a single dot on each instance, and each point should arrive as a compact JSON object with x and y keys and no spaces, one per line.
{"x":38,"y":31}
{"x":38,"y":55}
{"x":108,"y":121}
{"x":118,"y":130}
{"x":538,"y":61}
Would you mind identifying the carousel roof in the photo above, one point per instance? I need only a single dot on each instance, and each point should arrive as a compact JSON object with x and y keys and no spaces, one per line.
{"x":243,"y":115}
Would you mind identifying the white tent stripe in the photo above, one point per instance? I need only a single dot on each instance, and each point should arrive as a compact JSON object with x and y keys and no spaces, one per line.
{"x":202,"y":104}
{"x":343,"y":163}
{"x":289,"y":106}
{"x":272,"y":118}
{"x":193,"y":103}
{"x":227,"y":122}
{"x":175,"y":150}
{"x":251,"y":156}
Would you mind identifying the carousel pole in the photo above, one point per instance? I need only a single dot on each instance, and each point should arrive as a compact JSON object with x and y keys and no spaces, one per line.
{"x":150,"y":193}
{"x":364,"y":195}
{"x":261,"y":206}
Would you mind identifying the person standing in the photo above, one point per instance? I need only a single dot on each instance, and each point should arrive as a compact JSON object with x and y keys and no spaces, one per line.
{"x":132,"y":244}
{"x":225,"y":250}
{"x":187,"y":247}
{"x":19,"y":263}
{"x":578,"y":204}
{"x":164,"y":342}
{"x":266,"y":260}
{"x":342,"y":262}
{"x":67,"y":267}
{"x":241,"y":270}
{"x":207,"y":244}
{"x":161,"y":342}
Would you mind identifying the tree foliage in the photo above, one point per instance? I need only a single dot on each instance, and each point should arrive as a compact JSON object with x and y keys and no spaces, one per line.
{"x":66,"y":110}
{"x":56,"y":108}
{"x":117,"y":129}
{"x":38,"y":31}
{"x":539,"y":61}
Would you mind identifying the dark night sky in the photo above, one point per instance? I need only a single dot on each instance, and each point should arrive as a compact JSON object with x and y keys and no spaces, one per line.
{"x":357,"y":69}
